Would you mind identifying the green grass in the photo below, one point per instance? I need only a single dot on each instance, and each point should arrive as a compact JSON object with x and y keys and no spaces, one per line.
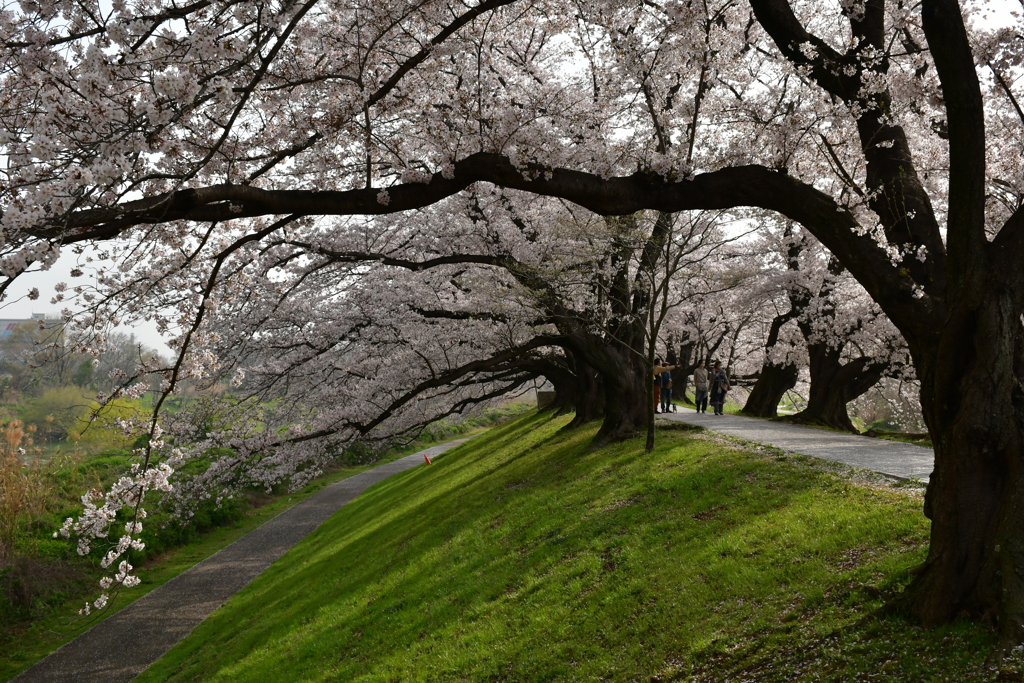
{"x":524,"y":556}
{"x":916,"y":439}
{"x":27,"y":641}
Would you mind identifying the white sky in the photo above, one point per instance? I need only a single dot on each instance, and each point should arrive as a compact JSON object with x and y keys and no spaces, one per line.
{"x":18,"y":305}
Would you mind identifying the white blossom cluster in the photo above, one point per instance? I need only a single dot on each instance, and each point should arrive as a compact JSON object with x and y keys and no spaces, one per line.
{"x":99,"y":514}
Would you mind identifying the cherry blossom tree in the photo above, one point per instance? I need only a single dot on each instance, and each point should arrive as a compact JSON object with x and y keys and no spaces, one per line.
{"x":781,"y":353}
{"x":845,"y":341}
{"x":850,"y":345}
{"x":715,"y":319}
{"x":892,"y":133}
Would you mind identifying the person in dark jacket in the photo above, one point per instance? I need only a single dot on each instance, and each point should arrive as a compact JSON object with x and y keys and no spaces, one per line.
{"x":664,"y":380}
{"x":719,"y":388}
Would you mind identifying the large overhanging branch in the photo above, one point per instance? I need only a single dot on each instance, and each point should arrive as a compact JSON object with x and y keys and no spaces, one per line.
{"x":752,"y":186}
{"x":724,"y":189}
{"x":524,"y":274}
{"x":897,"y":194}
{"x":825,"y":63}
{"x":444,"y":379}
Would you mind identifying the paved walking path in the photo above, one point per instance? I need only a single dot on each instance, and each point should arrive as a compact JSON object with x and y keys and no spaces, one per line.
{"x":892,"y":458}
{"x":122,"y":646}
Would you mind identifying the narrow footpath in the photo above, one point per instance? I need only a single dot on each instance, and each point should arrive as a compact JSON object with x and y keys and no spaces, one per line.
{"x":119,"y":648}
{"x":891,"y":458}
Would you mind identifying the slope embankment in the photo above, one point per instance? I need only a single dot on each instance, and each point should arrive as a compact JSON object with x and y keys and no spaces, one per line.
{"x":522,"y":555}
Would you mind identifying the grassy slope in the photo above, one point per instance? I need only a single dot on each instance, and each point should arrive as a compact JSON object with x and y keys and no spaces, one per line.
{"x":27,"y":641}
{"x":523,"y":556}
{"x":26,"y":645}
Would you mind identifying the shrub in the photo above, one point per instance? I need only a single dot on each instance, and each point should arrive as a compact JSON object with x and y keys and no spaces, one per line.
{"x":19,"y":489}
{"x":56,"y":412}
{"x":97,"y":427}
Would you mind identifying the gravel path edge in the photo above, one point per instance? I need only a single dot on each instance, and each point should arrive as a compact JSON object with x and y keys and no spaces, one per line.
{"x":894,"y":459}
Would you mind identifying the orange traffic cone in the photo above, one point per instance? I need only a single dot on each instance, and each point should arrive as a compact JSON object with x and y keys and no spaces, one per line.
{"x":427,"y":459}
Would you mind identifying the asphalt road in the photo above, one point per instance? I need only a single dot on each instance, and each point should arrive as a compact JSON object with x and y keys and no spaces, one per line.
{"x":892,"y":458}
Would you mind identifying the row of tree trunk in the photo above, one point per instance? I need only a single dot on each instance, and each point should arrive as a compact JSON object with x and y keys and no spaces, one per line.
{"x":598,"y":380}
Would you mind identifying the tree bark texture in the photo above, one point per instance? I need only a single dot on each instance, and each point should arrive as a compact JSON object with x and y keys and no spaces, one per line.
{"x":589,"y":396}
{"x":774,"y":382}
{"x":974,"y":407}
{"x":834,"y":384}
{"x":680,"y":376}
{"x":625,"y":396}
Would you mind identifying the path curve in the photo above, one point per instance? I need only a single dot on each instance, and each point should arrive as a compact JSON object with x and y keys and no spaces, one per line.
{"x":891,"y":458}
{"x":120,"y":647}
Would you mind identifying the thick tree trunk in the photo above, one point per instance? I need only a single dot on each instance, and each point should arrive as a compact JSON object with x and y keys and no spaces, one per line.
{"x":681,"y":376}
{"x":557,"y":370}
{"x":974,"y":406}
{"x":577,"y":385}
{"x":833,"y":385}
{"x":626,"y":402}
{"x":589,"y":398}
{"x":824,"y":367}
{"x":609,"y":385}
{"x":681,"y":382}
{"x":564,"y":400}
{"x":774,"y":382}
{"x":565,"y":393}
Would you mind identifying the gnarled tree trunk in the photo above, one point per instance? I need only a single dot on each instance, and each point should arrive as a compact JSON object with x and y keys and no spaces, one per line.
{"x":974,"y":406}
{"x":589,"y":398}
{"x":625,"y":396}
{"x":774,"y":382}
{"x":680,"y":376}
{"x":609,"y":383}
{"x":834,"y":384}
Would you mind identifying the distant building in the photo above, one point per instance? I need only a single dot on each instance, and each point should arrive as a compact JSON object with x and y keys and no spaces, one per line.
{"x":8,"y":326}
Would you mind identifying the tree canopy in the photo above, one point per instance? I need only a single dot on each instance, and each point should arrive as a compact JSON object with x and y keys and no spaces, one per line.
{"x":411,"y":194}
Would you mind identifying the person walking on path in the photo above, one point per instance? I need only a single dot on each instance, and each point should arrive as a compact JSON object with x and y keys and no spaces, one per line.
{"x":660,"y":371}
{"x":664,"y":380}
{"x":719,"y":387}
{"x":701,"y":387}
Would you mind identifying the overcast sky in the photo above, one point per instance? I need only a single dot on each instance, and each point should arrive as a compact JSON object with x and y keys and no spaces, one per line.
{"x":17,"y":305}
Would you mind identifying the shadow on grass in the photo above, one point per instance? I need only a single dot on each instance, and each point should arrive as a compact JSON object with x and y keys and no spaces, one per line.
{"x":522,"y":555}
